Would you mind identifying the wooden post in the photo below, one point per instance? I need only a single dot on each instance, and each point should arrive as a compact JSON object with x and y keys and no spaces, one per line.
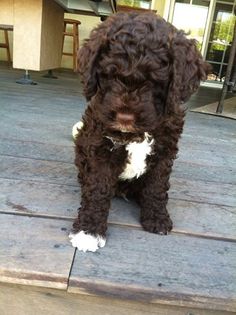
{"x":38,"y":29}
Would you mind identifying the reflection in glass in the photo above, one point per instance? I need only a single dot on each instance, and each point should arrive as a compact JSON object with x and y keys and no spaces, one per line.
{"x":220,"y":39}
{"x":194,"y":20}
{"x":144,"y":4}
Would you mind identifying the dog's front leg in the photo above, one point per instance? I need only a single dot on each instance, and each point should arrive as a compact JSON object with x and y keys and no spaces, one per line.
{"x":89,"y":229}
{"x":153,"y":199}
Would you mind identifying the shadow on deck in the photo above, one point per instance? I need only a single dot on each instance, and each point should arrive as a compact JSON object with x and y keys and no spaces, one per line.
{"x":191,"y":271}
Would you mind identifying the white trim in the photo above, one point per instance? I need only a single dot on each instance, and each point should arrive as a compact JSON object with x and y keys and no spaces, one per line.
{"x":171,"y":11}
{"x":207,"y":32}
{"x":212,"y":84}
{"x":166,"y":10}
{"x":153,"y":2}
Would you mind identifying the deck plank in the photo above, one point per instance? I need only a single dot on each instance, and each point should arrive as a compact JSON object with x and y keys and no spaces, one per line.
{"x":188,"y":217}
{"x":35,"y":251}
{"x":61,"y":201}
{"x":209,"y":127}
{"x":208,"y":173}
{"x":139,"y":266}
{"x":66,"y":173}
{"x":192,"y":267}
{"x":60,"y":122}
{"x":50,"y":302}
{"x":38,"y":170}
{"x":213,"y":152}
{"x":38,"y":150}
{"x":191,"y":150}
{"x":202,"y":191}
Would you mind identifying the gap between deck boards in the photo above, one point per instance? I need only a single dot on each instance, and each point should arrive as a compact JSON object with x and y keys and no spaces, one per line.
{"x":10,"y":166}
{"x":175,"y":231}
{"x":190,"y":216}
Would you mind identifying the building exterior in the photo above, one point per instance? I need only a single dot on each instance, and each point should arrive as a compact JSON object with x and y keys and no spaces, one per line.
{"x":210,"y":22}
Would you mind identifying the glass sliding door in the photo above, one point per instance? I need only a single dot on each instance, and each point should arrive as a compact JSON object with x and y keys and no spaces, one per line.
{"x":221,"y":37}
{"x":211,"y":23}
{"x":142,"y":4}
{"x":191,"y":16}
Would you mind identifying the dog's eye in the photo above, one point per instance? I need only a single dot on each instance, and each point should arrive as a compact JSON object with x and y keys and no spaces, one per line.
{"x":125,"y":80}
{"x":112,"y":115}
{"x":130,"y":82}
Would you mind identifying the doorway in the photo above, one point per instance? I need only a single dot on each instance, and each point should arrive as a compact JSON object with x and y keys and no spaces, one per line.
{"x":211,"y":23}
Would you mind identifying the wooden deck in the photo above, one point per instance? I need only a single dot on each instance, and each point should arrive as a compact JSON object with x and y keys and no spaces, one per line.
{"x":191,"y":271}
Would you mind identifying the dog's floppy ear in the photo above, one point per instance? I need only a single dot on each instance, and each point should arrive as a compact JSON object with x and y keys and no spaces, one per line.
{"x":188,"y":69}
{"x":88,"y":57}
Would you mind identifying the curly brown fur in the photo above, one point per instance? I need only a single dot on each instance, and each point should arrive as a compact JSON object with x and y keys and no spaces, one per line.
{"x":137,"y":71}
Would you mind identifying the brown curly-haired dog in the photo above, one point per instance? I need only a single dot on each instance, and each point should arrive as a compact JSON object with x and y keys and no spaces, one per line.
{"x":137,"y":71}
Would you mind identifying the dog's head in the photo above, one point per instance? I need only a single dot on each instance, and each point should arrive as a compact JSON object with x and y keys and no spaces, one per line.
{"x":137,"y":68}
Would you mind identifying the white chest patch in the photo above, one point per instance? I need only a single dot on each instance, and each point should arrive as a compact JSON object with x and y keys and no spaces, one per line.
{"x":137,"y":154}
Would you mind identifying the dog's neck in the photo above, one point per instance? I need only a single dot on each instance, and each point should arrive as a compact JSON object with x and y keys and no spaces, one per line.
{"x":125,"y":141}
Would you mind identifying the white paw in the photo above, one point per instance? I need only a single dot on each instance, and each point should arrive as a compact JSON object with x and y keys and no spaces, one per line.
{"x":87,"y":242}
{"x":76,"y":128}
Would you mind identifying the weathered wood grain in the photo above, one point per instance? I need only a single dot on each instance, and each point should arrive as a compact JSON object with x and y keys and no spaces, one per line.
{"x":69,"y":101}
{"x":68,"y":104}
{"x":41,"y":199}
{"x":38,"y":129}
{"x":198,"y":164}
{"x":188,"y":217}
{"x":36,"y":104}
{"x":38,"y":170}
{"x":67,"y":82}
{"x":39,"y":196}
{"x":203,"y":191}
{"x":55,"y":127}
{"x":191,"y":151}
{"x":51,"y":302}
{"x":172,"y":270}
{"x":207,"y":173}
{"x":66,"y":173}
{"x":210,"y":151}
{"x":38,"y":150}
{"x":35,"y":251}
{"x":191,"y":163}
{"x":61,"y":201}
{"x":209,"y":126}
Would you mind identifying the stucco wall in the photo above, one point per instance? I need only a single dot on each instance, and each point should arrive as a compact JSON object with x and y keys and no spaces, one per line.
{"x":159,"y":6}
{"x":87,"y":23}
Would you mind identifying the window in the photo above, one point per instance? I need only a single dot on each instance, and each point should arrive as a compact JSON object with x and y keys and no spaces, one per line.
{"x":221,"y":38}
{"x":191,"y":17}
{"x":142,"y":4}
